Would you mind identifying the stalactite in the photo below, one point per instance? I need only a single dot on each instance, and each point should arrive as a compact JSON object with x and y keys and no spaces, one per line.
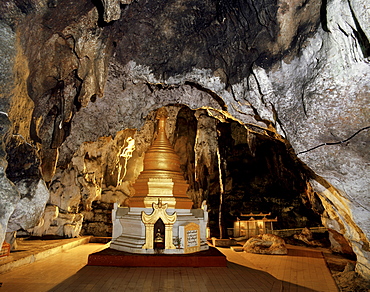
{"x":219,"y":164}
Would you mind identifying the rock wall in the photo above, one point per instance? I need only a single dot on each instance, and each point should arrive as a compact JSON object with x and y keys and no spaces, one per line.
{"x":80,"y":78}
{"x":9,"y":194}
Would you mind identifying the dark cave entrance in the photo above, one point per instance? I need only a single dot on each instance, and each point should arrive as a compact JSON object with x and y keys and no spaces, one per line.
{"x":258,"y":174}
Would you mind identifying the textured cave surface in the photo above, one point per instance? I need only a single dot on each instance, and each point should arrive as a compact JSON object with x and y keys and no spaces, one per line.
{"x":268,"y":101}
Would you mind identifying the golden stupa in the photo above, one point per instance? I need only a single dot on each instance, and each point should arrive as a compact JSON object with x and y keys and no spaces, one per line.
{"x":162,"y":177}
{"x":160,"y":216}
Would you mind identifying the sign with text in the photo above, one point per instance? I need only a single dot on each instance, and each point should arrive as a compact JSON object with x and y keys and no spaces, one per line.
{"x":191,"y":235}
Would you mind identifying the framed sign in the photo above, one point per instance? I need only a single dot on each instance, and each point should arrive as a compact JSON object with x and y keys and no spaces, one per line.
{"x":191,"y":237}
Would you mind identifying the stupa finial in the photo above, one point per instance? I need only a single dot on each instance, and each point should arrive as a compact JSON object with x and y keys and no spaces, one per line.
{"x":162,"y":113}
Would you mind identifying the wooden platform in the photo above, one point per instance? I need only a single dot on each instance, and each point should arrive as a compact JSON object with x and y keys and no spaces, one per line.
{"x":115,"y":258}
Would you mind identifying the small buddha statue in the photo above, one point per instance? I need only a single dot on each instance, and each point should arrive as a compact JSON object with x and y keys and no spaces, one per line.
{"x":158,"y":236}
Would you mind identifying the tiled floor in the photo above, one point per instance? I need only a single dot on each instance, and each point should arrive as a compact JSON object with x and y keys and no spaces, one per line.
{"x":29,"y":251}
{"x":301,"y":270}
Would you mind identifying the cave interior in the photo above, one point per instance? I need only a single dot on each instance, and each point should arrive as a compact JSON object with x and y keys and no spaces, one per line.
{"x":267,"y":102}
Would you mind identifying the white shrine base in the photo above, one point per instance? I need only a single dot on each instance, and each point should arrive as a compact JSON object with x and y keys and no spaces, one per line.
{"x":129,"y":231}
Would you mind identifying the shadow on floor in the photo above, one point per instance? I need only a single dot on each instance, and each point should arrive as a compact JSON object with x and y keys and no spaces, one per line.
{"x":304,"y":253}
{"x":232,"y":278}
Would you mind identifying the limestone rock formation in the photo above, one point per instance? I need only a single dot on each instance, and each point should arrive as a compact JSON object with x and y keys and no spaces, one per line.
{"x":30,"y":207}
{"x":112,"y":9}
{"x":265,"y":244}
{"x":307,"y":237}
{"x":9,"y":194}
{"x":348,"y":280}
{"x":339,"y":244}
{"x":268,"y":104}
{"x":50,"y":214}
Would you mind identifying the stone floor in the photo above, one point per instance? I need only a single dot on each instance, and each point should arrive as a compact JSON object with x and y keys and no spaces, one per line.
{"x":303,"y":269}
{"x":29,"y":251}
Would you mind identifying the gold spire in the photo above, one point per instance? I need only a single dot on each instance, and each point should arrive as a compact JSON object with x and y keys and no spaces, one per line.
{"x":162,"y":176}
